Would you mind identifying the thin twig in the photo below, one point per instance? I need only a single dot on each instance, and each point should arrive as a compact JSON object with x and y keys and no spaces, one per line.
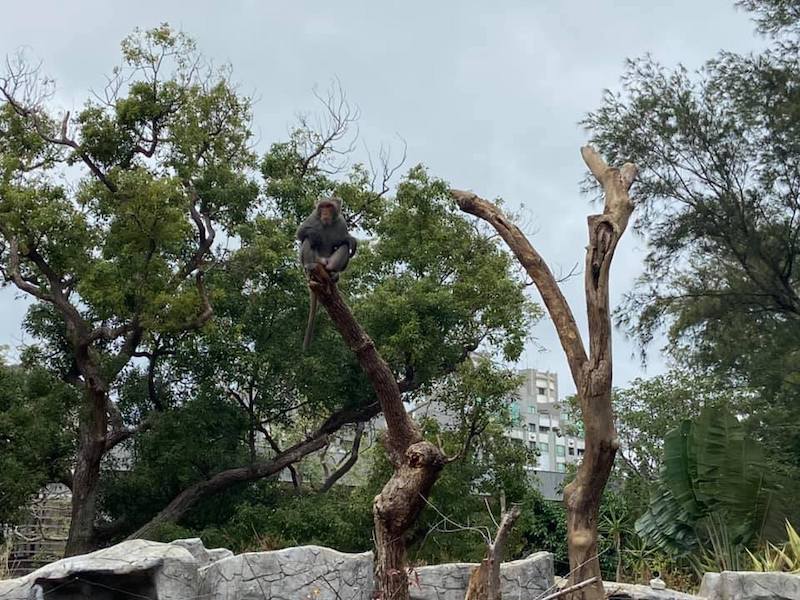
{"x":486,"y":535}
{"x":570,"y":589}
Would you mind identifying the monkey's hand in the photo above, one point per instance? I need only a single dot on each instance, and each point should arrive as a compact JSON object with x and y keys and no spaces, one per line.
{"x":352,"y":244}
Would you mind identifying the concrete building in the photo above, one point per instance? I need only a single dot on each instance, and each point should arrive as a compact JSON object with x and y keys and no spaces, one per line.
{"x":542,"y":422}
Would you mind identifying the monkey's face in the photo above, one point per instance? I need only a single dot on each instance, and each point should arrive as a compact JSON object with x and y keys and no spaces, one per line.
{"x":326,"y":214}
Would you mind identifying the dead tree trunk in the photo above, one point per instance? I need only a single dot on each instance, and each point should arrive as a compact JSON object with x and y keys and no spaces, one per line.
{"x":484,"y":582}
{"x":416,"y":462}
{"x":592,"y":373}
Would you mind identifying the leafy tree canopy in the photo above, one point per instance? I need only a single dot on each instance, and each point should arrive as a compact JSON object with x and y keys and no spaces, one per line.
{"x":720,"y":208}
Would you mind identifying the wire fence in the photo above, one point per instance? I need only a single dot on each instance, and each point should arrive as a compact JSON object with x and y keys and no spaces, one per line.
{"x":41,"y":536}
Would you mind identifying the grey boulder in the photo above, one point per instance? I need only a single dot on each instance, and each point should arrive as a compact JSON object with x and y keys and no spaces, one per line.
{"x":526,"y":578}
{"x":144,"y":568}
{"x":629,"y":591}
{"x":750,"y":585}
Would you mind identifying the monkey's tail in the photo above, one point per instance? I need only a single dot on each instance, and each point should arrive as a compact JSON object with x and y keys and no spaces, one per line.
{"x":312,"y":317}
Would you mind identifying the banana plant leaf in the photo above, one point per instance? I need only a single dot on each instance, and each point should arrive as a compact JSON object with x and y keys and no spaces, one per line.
{"x":711,"y":468}
{"x":666,"y":524}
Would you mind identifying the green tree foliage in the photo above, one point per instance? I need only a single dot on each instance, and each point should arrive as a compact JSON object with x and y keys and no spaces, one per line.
{"x":718,"y":152}
{"x":645,"y":410}
{"x":452,"y":528}
{"x":36,"y":445}
{"x":775,"y":17}
{"x":648,"y":408}
{"x":126,"y":265}
{"x":203,"y":437}
{"x":428,"y":287}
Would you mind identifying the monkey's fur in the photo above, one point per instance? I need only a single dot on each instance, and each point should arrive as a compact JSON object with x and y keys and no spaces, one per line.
{"x":324,"y":240}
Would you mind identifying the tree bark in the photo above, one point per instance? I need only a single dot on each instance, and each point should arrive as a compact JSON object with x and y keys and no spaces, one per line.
{"x":484,"y":582}
{"x":93,"y":423}
{"x":416,"y":462}
{"x":91,"y":447}
{"x":592,"y":373}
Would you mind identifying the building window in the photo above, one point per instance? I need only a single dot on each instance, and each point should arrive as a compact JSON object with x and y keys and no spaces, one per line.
{"x":542,"y":391}
{"x":544,"y":429}
{"x":543,"y":447}
{"x":532,"y":410}
{"x":561,"y":468}
{"x":580,"y":451}
{"x":571,"y":451}
{"x":559,"y":450}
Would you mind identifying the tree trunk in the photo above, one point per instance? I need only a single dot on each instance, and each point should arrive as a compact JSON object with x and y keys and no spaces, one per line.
{"x":91,"y":447}
{"x":592,"y":373}
{"x":484,"y":582}
{"x":396,"y":509}
{"x":582,"y":499}
{"x":416,"y":462}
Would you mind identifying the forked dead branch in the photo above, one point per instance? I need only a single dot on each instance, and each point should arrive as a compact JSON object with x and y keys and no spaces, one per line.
{"x":591,"y":373}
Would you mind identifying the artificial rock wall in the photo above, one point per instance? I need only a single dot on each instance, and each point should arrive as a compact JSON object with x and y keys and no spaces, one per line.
{"x":185,"y":570}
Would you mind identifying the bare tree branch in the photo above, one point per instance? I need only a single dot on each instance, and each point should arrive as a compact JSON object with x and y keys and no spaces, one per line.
{"x":206,"y":311}
{"x":205,"y":235}
{"x":538,"y":270}
{"x":318,"y":143}
{"x":276,"y":448}
{"x":15,"y":275}
{"x":484,"y":581}
{"x":119,"y":435}
{"x":348,"y":464}
{"x":109,"y":334}
{"x":373,"y":365}
{"x":592,"y":374}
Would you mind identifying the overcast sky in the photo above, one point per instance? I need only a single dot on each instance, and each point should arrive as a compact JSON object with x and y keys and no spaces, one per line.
{"x":488,"y":97}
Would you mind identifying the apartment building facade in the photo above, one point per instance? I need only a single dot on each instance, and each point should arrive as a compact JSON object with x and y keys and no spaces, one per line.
{"x":541,"y":421}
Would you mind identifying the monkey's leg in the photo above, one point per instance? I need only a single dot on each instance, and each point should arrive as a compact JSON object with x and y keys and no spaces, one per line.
{"x":338,"y":261}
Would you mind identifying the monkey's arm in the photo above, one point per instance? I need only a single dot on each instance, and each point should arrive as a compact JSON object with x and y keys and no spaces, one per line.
{"x":308,"y":257}
{"x":309,"y":230}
